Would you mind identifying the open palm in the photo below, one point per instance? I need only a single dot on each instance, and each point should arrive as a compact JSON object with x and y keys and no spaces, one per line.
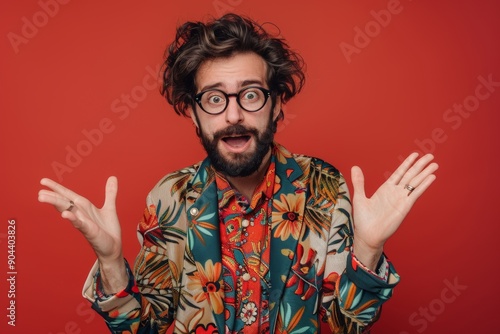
{"x":378,"y":217}
{"x":100,"y":227}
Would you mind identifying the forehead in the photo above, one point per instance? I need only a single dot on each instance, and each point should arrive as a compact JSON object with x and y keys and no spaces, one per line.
{"x":232,"y":73}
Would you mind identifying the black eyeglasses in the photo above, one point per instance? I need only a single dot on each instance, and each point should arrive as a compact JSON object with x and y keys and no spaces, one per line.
{"x":215,"y":101}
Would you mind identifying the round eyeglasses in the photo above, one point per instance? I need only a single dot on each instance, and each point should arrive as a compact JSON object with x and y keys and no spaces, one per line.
{"x":215,"y":101}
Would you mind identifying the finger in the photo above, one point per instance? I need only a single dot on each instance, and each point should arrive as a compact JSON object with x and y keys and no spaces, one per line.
{"x":111,"y":192}
{"x":83,"y":223}
{"x":71,"y":216}
{"x":418,"y":179}
{"x":57,"y":188}
{"x":59,"y":202}
{"x":358,"y":181}
{"x":415,"y":169}
{"x":77,"y":219}
{"x":422,"y":187}
{"x":398,"y":174}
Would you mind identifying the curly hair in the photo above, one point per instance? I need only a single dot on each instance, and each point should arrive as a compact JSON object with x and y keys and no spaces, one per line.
{"x":196,"y":42}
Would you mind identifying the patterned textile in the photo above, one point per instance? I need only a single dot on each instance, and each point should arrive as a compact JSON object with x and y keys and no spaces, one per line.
{"x":178,"y":278}
{"x":245,"y":230}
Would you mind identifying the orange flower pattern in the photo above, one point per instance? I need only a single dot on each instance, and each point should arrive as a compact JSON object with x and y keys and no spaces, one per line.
{"x":287,"y":217}
{"x":207,"y":285}
{"x":184,"y":276}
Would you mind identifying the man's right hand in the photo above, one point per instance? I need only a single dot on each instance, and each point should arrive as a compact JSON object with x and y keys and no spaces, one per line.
{"x":100,"y":227}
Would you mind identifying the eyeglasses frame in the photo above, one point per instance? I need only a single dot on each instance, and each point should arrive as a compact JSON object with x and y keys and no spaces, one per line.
{"x":267,"y":94}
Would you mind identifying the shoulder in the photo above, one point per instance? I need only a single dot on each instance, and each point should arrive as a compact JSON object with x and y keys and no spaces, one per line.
{"x":317,"y":163}
{"x":306,"y":162}
{"x":173,"y":184}
{"x":323,"y":180}
{"x":314,"y":166}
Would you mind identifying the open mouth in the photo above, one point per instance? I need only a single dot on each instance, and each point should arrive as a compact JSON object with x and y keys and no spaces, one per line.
{"x":236,"y":141}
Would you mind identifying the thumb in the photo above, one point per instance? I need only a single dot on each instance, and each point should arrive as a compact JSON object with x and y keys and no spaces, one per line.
{"x":111,"y":191}
{"x":358,"y":181}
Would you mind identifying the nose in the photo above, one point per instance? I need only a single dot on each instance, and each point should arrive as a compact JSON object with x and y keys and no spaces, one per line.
{"x":234,"y":113}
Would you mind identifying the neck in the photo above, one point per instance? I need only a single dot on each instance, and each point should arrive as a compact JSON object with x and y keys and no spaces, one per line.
{"x":246,"y":185}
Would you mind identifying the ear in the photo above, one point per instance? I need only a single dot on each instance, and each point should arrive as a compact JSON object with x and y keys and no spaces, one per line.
{"x":277,"y":108}
{"x":192,"y":114}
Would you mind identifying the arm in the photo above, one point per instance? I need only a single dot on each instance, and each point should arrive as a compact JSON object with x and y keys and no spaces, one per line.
{"x":352,"y":294}
{"x":369,"y":278}
{"x":100,"y":227}
{"x":146,"y":305}
{"x":110,"y":286}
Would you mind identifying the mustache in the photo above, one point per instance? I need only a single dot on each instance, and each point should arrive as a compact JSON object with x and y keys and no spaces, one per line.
{"x":235,"y":130}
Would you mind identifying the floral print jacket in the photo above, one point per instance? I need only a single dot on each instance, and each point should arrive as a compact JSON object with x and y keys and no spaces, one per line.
{"x":177,"y":282}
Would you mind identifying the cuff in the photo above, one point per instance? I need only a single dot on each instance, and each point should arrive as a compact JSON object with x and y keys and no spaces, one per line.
{"x":101,"y":302}
{"x":382,"y":270}
{"x":368,"y":280}
{"x":99,"y":293}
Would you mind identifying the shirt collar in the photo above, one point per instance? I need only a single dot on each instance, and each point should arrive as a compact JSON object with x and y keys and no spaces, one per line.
{"x":264,"y":190}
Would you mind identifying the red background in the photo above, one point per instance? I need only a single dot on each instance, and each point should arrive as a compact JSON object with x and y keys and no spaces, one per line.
{"x":71,"y":72}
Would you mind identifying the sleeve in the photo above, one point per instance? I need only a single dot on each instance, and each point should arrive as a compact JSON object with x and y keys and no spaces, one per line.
{"x":352,"y":294}
{"x":145,"y":305}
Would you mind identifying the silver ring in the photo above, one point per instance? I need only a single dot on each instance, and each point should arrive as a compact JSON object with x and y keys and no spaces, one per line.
{"x":71,"y":205}
{"x":409,"y":188}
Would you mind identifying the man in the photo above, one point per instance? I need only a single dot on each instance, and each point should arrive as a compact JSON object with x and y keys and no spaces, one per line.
{"x":253,"y":239}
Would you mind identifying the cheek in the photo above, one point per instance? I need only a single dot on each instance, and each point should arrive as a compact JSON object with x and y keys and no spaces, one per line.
{"x":258,"y":121}
{"x":208,"y":128}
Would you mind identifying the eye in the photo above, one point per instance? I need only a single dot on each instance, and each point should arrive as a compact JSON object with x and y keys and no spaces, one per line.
{"x":215,"y":99}
{"x":251,"y":95}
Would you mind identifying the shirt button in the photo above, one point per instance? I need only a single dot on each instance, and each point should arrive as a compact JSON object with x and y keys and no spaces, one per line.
{"x":193,"y":211}
{"x":246,"y":276}
{"x":245,"y":223}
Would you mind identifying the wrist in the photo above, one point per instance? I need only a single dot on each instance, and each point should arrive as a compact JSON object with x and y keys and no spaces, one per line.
{"x":114,"y":276}
{"x":368,"y":256}
{"x":111,"y":261}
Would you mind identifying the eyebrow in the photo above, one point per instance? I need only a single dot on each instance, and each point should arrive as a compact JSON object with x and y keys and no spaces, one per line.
{"x":241,"y":84}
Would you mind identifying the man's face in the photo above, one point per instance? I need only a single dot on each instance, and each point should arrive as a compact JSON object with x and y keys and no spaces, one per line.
{"x":236,"y":141}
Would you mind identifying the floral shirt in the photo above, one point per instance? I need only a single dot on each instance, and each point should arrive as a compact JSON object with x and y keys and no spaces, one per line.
{"x":245,"y":229}
{"x":184,"y":282}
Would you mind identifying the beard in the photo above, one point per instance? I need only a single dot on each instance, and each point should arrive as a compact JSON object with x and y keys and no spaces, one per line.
{"x":239,"y":164}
